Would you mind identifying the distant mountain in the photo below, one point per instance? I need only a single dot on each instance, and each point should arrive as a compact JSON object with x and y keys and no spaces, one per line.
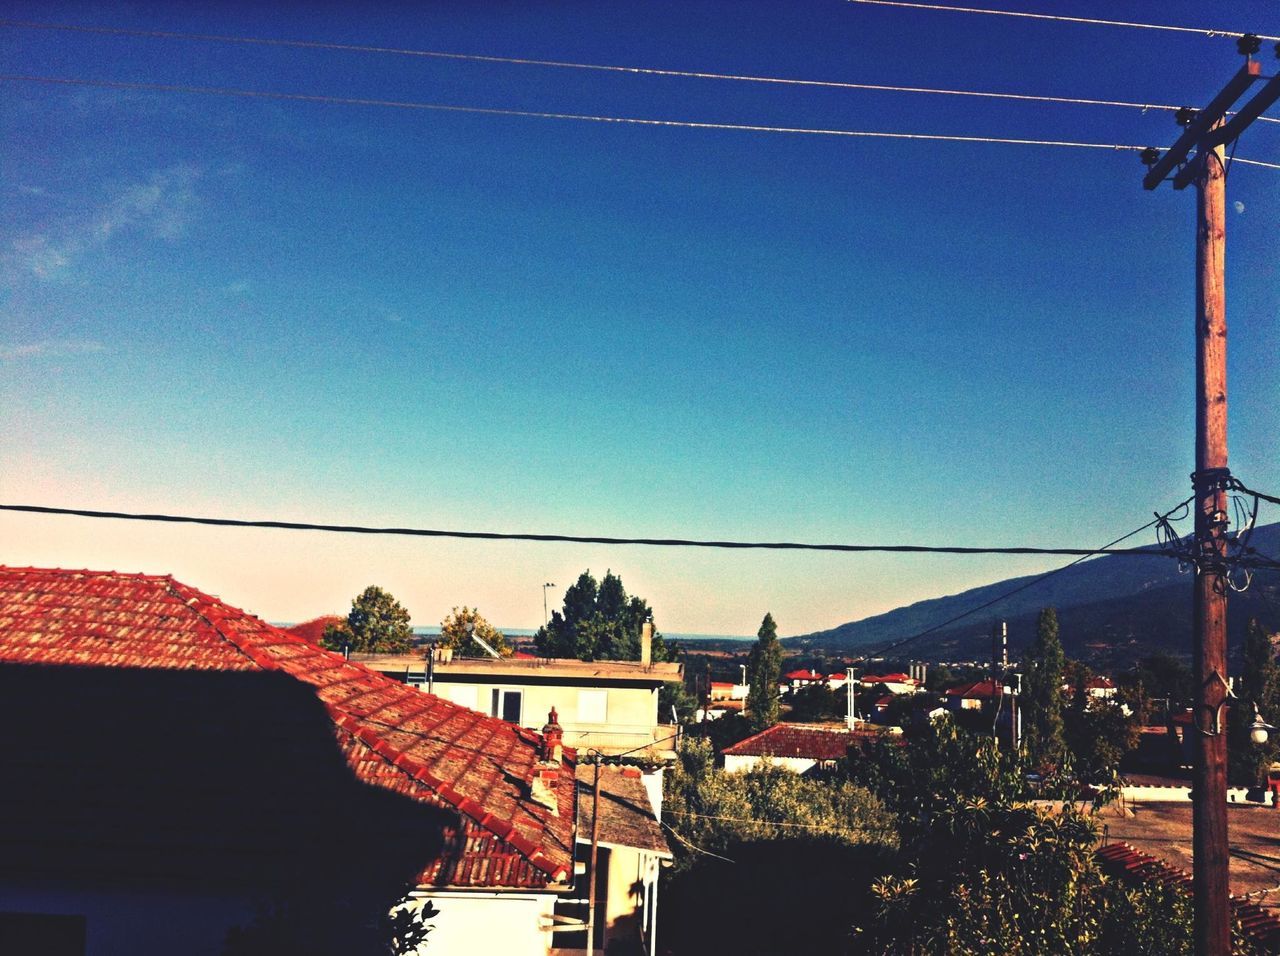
{"x":1112,"y":610}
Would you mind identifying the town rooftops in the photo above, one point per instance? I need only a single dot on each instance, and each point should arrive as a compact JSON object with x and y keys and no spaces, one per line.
{"x":984,"y":689}
{"x":531,"y":669}
{"x":392,"y":737}
{"x":626,"y":815}
{"x":812,"y":741}
{"x":803,"y":675}
{"x":888,"y":679}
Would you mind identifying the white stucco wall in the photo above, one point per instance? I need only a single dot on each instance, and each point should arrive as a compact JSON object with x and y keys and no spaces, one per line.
{"x":472,"y":924}
{"x":631,"y":713}
{"x":737,"y":763}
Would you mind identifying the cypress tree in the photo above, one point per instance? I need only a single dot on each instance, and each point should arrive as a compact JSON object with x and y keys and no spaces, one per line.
{"x":764,"y":668}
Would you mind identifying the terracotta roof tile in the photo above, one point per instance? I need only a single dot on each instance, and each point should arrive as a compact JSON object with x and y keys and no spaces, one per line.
{"x":392,"y":735}
{"x":794,"y":740}
{"x":1121,"y":859}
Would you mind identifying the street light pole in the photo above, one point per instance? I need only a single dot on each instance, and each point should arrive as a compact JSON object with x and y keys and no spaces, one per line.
{"x":545,"y":618}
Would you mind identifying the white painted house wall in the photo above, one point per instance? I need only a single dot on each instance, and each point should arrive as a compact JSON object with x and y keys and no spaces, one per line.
{"x":471,"y":924}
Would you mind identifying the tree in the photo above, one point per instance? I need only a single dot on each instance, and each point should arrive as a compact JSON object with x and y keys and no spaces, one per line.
{"x":1248,"y":762}
{"x":1098,"y":731}
{"x":817,"y":703}
{"x":599,"y":621}
{"x":764,"y":669}
{"x":460,"y":628}
{"x":378,"y":623}
{"x":1041,"y":698}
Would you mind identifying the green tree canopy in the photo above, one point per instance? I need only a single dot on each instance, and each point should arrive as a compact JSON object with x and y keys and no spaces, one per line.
{"x":1041,"y":699}
{"x":764,"y":669}
{"x":599,"y":621}
{"x":377,"y":623}
{"x":1259,"y":687}
{"x":460,"y":628}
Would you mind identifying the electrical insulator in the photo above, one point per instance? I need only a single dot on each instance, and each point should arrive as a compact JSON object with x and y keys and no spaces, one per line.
{"x":1184,"y":116}
{"x":1149,"y":156}
{"x":1249,"y":44}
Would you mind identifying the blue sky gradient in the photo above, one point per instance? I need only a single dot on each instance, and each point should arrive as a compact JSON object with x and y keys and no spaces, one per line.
{"x":257,"y":308}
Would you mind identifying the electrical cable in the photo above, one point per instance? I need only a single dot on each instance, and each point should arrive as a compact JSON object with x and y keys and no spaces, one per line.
{"x":1092,"y":21}
{"x":581,"y":117}
{"x":600,"y":67}
{"x":1026,"y":584}
{"x":574,"y":538}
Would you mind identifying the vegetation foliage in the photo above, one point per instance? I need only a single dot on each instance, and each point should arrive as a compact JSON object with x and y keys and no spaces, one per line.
{"x":463,"y":625}
{"x":599,"y":621}
{"x":764,"y":670}
{"x":377,"y":623}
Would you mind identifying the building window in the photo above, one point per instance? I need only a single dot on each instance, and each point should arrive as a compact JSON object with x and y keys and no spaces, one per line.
{"x":506,"y":704}
{"x":593,"y":706}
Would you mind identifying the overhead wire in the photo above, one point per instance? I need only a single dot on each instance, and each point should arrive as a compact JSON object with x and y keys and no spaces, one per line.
{"x":1062,"y":18}
{"x":568,"y":538}
{"x":600,"y":67}
{"x":580,"y":117}
{"x":1037,"y":579}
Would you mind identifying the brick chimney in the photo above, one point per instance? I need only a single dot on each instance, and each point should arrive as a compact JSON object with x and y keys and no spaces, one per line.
{"x":546,"y":772}
{"x":552,"y":738}
{"x":646,"y":643}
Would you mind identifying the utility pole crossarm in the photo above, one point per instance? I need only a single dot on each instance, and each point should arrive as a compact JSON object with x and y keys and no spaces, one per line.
{"x":1231,"y":129}
{"x":1202,"y":123}
{"x":1260,"y":103}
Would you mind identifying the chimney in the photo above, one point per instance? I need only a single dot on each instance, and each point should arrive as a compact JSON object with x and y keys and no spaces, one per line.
{"x":546,"y":772}
{"x":646,"y":643}
{"x":552,"y":738}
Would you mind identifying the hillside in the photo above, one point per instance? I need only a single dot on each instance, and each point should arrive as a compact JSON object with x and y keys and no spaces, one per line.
{"x":1112,"y":610}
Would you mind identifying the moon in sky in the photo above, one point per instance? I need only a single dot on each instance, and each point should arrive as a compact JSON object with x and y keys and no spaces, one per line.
{"x":1238,"y":205}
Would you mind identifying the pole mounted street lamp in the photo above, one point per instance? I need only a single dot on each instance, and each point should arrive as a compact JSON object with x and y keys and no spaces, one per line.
{"x":1259,"y":730}
{"x":545,"y":619}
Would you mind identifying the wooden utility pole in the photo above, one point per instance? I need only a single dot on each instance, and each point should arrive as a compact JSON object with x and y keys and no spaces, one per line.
{"x":1208,"y":131}
{"x":1209,"y":607}
{"x":595,"y":856}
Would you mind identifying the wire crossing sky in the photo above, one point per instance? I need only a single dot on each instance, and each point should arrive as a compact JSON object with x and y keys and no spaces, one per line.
{"x":561,"y":279}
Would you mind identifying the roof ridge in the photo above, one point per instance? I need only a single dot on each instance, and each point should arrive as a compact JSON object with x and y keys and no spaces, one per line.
{"x":354,"y":723}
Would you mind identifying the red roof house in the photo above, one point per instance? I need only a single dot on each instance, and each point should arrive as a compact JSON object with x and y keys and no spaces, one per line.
{"x":798,"y":747}
{"x":177,"y":745}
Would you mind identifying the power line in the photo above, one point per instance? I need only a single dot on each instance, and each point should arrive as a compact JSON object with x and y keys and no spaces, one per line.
{"x":581,"y":117}
{"x":569,"y":538}
{"x":600,"y":67}
{"x":1092,"y":21}
{"x":1030,"y":583}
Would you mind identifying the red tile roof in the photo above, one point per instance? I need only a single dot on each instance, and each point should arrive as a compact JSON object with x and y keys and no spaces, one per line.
{"x":313,"y":630}
{"x":1120,"y":859}
{"x":803,"y":675}
{"x":795,"y":740}
{"x":981,"y":688}
{"x":393,"y":736}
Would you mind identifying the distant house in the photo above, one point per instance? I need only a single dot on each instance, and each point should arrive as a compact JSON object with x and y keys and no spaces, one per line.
{"x":722,"y":690}
{"x":837,"y":681}
{"x":796,"y":747}
{"x":975,"y":695}
{"x":893,"y":683}
{"x":794,"y":680}
{"x":1097,"y":687}
{"x":610,"y":706}
{"x":179,"y":767}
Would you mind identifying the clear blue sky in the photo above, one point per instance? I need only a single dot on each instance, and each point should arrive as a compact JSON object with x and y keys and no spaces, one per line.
{"x":370,"y":315}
